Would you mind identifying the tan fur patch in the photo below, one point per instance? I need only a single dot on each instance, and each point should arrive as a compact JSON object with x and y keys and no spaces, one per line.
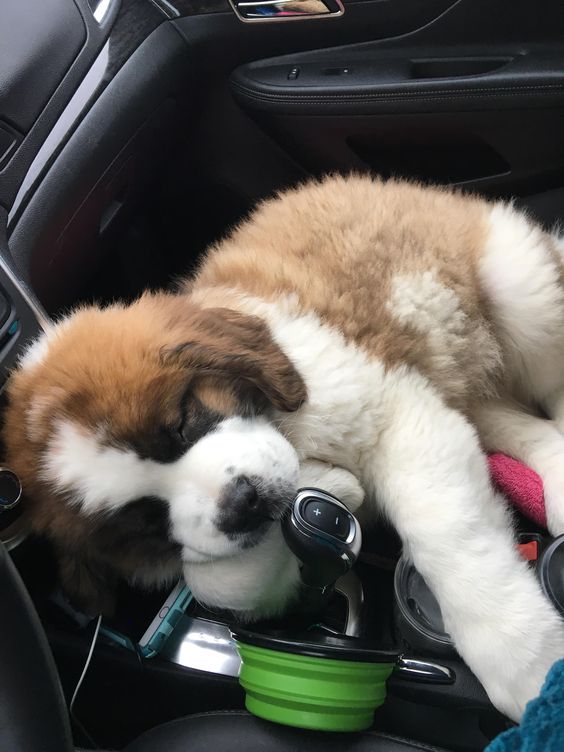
{"x":338,"y":245}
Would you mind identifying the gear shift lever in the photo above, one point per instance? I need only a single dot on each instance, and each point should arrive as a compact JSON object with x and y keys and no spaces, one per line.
{"x":282,"y":671}
{"x":324,"y":535}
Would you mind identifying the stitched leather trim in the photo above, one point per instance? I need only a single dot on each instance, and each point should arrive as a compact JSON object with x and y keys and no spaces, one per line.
{"x":408,"y":743}
{"x":420,"y":96}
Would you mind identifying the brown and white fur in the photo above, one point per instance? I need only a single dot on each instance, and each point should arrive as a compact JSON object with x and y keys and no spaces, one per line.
{"x":370,"y":338}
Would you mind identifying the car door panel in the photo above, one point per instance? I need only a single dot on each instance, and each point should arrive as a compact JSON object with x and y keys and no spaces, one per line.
{"x":427,"y":105}
{"x":418,"y":112}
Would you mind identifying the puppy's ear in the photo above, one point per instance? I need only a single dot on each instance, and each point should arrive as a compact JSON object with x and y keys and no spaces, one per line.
{"x":229,"y":344}
{"x":88,"y":583}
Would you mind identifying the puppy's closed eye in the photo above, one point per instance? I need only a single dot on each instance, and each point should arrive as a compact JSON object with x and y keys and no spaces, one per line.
{"x":160,"y":443}
{"x":197,"y":420}
{"x":240,"y":350}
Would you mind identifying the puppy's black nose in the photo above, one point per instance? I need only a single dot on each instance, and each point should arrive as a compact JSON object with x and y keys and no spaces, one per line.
{"x":245,"y":496}
{"x":243,"y":508}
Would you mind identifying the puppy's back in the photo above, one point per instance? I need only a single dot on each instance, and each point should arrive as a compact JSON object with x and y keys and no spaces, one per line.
{"x":390,"y":265}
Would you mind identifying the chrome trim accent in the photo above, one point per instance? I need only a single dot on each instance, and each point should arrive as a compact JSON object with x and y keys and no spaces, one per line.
{"x":29,"y":298}
{"x":413,"y":669}
{"x":100,"y":11}
{"x":350,"y":587}
{"x":282,"y":19}
{"x":66,"y":120}
{"x":16,"y":533}
{"x":6,"y":507}
{"x":166,"y":8}
{"x":260,"y":3}
{"x":203,"y":645}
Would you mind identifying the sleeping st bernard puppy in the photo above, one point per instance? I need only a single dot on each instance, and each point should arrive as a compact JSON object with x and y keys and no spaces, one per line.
{"x":361,"y":336}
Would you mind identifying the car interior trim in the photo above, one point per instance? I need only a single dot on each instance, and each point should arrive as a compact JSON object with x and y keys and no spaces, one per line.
{"x":101,"y":10}
{"x":28,"y":297}
{"x":424,"y":671}
{"x":167,"y":8}
{"x":74,"y":109}
{"x":251,"y":12}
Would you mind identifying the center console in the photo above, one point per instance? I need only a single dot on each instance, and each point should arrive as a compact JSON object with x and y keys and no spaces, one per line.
{"x":352,"y":627}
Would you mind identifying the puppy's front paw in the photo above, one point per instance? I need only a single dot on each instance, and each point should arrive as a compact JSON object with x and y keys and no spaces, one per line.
{"x":334,"y":480}
{"x":511,"y":697}
{"x":514,"y":674}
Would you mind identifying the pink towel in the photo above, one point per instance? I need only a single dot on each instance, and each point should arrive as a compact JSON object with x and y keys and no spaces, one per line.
{"x":521,"y":485}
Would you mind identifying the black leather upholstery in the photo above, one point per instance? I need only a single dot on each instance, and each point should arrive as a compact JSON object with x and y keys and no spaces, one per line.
{"x":237,"y":731}
{"x":33,"y":715}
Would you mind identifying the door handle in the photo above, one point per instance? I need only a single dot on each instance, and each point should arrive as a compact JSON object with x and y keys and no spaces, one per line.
{"x":253,"y":11}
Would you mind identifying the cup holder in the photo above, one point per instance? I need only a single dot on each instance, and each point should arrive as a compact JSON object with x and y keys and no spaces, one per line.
{"x":418,"y":616}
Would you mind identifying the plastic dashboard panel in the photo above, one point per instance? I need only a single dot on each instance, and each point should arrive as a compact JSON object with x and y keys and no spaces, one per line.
{"x":99,"y":169}
{"x":77,"y":32}
{"x":50,"y":46}
{"x":38,"y":43}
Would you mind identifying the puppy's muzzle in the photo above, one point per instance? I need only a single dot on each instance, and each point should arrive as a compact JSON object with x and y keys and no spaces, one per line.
{"x":249,"y":506}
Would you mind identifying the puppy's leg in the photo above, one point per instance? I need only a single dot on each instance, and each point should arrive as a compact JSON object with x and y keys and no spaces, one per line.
{"x":431,"y":478}
{"x":334,"y":480}
{"x":506,"y":427}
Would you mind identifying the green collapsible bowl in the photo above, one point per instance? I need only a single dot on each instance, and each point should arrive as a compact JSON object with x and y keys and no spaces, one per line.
{"x":324,"y":683}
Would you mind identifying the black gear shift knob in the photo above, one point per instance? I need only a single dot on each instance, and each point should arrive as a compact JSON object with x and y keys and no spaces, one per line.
{"x":324,"y":536}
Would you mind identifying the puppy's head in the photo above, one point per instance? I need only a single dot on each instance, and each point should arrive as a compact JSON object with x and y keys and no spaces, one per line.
{"x":141,"y":436}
